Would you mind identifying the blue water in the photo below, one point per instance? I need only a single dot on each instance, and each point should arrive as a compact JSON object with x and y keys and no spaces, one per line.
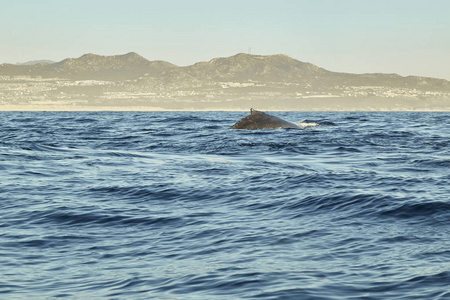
{"x":175,"y":205}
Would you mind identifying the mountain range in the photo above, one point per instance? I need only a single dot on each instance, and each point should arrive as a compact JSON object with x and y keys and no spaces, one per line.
{"x":35,"y":62}
{"x":238,"y":68}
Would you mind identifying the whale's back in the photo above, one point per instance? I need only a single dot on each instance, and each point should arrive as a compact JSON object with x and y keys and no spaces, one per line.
{"x":260,"y":120}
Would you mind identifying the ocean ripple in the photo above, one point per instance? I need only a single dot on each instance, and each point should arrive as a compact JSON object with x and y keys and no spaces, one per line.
{"x":174,"y":205}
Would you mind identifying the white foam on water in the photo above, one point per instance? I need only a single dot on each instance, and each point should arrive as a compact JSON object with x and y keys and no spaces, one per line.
{"x":307,"y":124}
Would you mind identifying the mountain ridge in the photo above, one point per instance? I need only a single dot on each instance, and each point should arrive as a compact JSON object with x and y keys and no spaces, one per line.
{"x":240,"y":67}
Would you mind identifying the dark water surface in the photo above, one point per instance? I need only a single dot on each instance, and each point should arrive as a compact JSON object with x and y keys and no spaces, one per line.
{"x":174,"y":205}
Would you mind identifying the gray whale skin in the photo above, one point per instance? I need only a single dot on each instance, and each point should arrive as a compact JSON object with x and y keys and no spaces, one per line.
{"x":260,"y":120}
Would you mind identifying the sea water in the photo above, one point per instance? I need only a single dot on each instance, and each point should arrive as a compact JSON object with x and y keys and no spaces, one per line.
{"x":175,"y":205}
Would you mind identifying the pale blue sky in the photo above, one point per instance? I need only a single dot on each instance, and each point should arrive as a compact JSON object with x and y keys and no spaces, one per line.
{"x":407,"y":37}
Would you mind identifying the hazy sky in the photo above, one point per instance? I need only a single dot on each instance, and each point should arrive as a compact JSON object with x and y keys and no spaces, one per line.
{"x":408,"y":37}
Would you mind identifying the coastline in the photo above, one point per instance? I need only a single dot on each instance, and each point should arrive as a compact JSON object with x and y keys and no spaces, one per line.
{"x":72,"y":108}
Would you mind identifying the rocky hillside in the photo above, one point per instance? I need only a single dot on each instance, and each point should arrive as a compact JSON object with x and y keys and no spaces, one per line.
{"x":245,"y":67}
{"x":91,"y":66}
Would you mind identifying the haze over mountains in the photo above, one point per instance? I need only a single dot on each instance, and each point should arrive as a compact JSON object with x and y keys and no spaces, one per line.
{"x":35,"y":62}
{"x":130,"y":79}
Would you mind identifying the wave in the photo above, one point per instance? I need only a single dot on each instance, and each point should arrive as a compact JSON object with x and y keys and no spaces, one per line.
{"x":373,"y":206}
{"x":418,"y":210}
{"x":64,"y":216}
{"x":312,"y":123}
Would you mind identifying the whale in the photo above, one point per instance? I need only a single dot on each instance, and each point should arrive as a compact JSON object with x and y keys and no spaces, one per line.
{"x":261,"y":120}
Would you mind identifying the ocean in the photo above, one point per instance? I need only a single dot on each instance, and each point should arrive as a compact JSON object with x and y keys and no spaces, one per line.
{"x":175,"y":205}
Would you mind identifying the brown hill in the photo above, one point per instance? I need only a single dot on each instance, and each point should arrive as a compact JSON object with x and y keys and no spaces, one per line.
{"x":246,"y":67}
{"x":91,"y":66}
